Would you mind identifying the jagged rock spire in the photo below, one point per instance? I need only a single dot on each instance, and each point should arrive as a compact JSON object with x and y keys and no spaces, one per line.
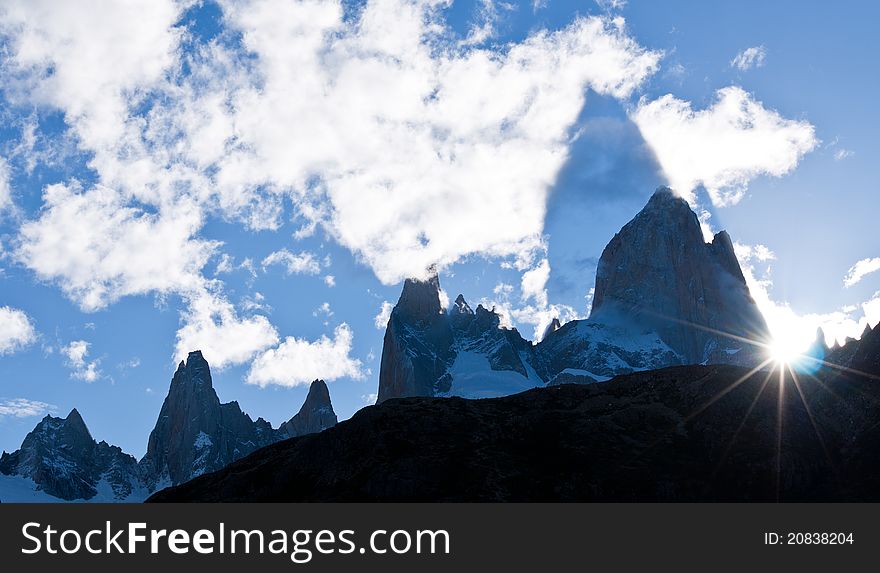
{"x":315,"y":415}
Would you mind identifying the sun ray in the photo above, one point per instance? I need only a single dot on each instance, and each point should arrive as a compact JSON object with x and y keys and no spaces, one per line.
{"x":742,"y":423}
{"x":813,"y":423}
{"x":727,"y":390}
{"x":780,"y":407}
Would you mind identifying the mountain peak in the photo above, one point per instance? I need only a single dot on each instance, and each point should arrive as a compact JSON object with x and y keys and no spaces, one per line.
{"x":461,"y":306}
{"x":315,"y":415}
{"x":194,"y":372}
{"x":420,"y":300}
{"x":319,"y":394}
{"x":552,"y":327}
{"x":75,"y":424}
{"x":659,"y":272}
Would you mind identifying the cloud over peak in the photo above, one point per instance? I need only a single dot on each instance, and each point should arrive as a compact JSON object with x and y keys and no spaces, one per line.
{"x":724,"y":146}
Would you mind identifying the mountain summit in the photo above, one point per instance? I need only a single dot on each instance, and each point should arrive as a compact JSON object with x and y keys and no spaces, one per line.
{"x":658,"y":272}
{"x":316,"y":414}
{"x":195,"y":433}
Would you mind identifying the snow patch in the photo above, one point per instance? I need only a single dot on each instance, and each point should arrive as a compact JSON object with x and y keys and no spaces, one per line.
{"x":473,"y":377}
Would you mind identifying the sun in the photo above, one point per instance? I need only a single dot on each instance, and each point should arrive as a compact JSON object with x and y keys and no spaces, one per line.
{"x":783,"y":351}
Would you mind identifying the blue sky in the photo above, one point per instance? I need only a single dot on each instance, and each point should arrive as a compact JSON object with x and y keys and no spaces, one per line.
{"x":180,"y":176}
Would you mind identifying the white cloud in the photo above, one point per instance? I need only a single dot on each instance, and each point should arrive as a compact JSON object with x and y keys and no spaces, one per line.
{"x":381,"y":319}
{"x":82,"y":369}
{"x":330,"y":281}
{"x":24,"y":408}
{"x":98,"y":249}
{"x":5,"y":189}
{"x":397,"y":117}
{"x":536,"y":310}
{"x":297,"y":361}
{"x":398,"y":114}
{"x":211,"y":325}
{"x":749,"y":58}
{"x":304,"y":263}
{"x":324,"y":312}
{"x":534,"y":283}
{"x":724,"y":146}
{"x":88,"y":58}
{"x":484,"y":27}
{"x":16,"y":330}
{"x":858,"y":271}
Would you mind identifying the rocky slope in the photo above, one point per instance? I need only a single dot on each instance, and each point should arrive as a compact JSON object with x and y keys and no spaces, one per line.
{"x":194,"y":434}
{"x":684,"y":433}
{"x":662,"y":297}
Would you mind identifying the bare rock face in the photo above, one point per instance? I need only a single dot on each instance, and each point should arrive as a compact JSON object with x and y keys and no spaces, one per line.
{"x":658,"y":272}
{"x":417,"y":347}
{"x":315,"y":415}
{"x":195,"y":433}
{"x":61,"y":458}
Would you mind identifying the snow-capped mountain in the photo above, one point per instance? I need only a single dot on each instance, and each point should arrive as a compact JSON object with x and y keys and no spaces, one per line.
{"x":59,"y":459}
{"x":662,"y":297}
{"x":194,"y":434}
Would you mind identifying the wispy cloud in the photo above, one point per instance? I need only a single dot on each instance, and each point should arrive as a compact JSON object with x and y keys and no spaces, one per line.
{"x":24,"y":408}
{"x":609,"y":5}
{"x":842,"y":154}
{"x":303,"y":263}
{"x":859,"y":270}
{"x":749,"y":58}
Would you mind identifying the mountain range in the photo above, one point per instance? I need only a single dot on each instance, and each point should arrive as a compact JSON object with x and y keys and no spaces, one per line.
{"x":194,"y":434}
{"x":652,"y":397}
{"x":663,"y":297}
{"x":716,"y":432}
